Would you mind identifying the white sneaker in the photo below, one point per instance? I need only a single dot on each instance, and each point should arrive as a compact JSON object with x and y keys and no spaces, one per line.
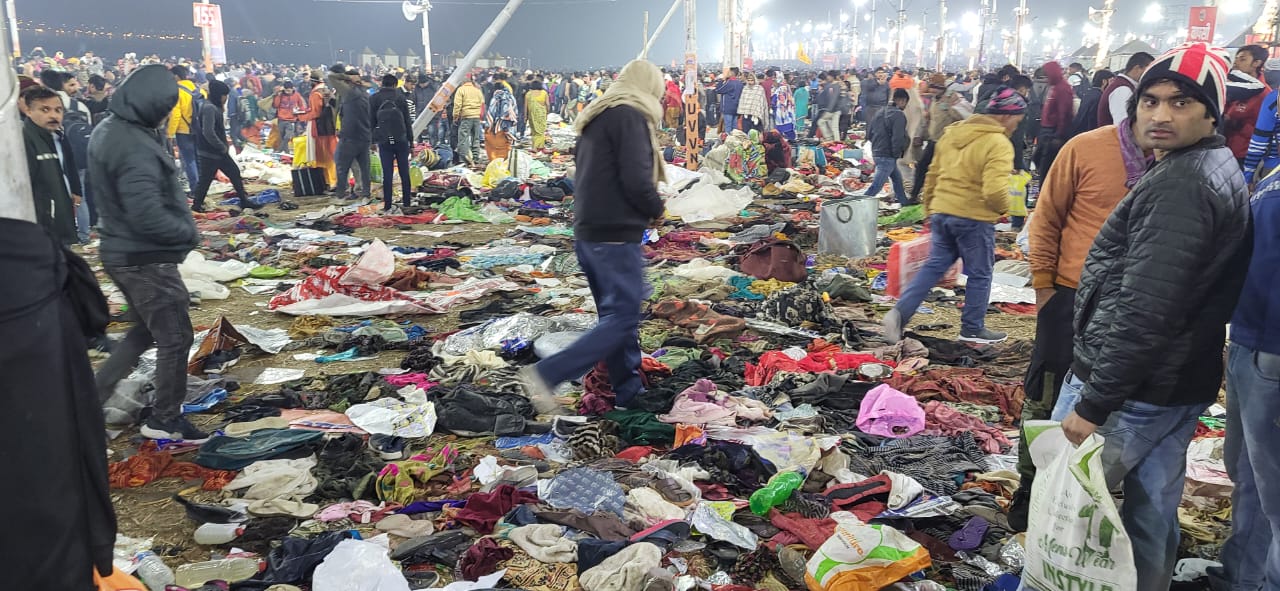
{"x":892,"y":324}
{"x":538,"y":391}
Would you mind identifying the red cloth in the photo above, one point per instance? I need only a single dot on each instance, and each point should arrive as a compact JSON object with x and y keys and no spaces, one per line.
{"x":812,"y":532}
{"x":1238,"y":120}
{"x":328,"y":281}
{"x":635,"y":453}
{"x":483,"y":510}
{"x":773,"y":362}
{"x":482,"y":558}
{"x":940,"y":419}
{"x":959,"y":384}
{"x":598,"y":397}
{"x":146,"y":467}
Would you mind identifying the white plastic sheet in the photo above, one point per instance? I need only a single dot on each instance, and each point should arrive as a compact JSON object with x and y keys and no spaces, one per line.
{"x":356,"y":565}
{"x":196,"y":266}
{"x":708,"y":202}
{"x":388,"y":416}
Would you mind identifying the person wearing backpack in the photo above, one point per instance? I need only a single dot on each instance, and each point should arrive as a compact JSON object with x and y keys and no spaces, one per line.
{"x":180,"y":121}
{"x":392,"y":133}
{"x":77,"y":124}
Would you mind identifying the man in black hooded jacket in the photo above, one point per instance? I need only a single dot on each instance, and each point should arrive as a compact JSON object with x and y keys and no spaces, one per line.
{"x":212,"y":152}
{"x":55,"y":184}
{"x":146,"y":229}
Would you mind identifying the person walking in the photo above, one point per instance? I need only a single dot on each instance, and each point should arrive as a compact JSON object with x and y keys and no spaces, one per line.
{"x":1094,"y":171}
{"x":288,"y":105}
{"x":468,"y":108}
{"x":500,"y":122}
{"x":729,"y":88}
{"x":1158,"y":287}
{"x":965,"y":193}
{"x":356,"y":135}
{"x":322,"y":126}
{"x":948,"y":106}
{"x":619,"y":161}
{"x":537,"y":105}
{"x":1055,"y":118}
{"x":180,"y":119}
{"x":392,"y":132}
{"x":829,"y":109}
{"x":753,"y":105}
{"x":147,"y":230}
{"x":889,"y":142}
{"x":212,"y":150}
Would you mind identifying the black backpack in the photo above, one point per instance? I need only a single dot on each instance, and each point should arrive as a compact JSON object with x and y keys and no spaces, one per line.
{"x":391,"y":127}
{"x":77,"y":126}
{"x":197,"y":102}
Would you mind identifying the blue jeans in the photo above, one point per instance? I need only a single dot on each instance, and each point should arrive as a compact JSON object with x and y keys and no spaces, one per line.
{"x":187,"y":152}
{"x":730,"y":123}
{"x":1251,"y":556}
{"x":955,"y":238}
{"x":84,"y":213}
{"x":887,"y":169}
{"x":615,"y":272}
{"x":1145,"y":455}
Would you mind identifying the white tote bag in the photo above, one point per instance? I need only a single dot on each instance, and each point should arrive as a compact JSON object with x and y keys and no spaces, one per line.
{"x":1075,"y":539}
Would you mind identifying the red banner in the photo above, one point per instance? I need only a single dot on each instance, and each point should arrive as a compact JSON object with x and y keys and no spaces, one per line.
{"x":1201,"y":23}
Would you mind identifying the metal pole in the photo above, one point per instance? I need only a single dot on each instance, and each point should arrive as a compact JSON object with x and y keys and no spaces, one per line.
{"x":1022,"y":18}
{"x":871,"y":38}
{"x":482,"y":44}
{"x":902,"y":26}
{"x":644,"y":34}
{"x":942,"y":33}
{"x":662,"y":24}
{"x":1103,"y":41}
{"x":11,"y":21}
{"x":692,"y":107}
{"x":426,"y":40}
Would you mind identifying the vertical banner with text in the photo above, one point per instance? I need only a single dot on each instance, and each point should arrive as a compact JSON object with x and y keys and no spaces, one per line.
{"x":1200,"y":24}
{"x":209,"y":18}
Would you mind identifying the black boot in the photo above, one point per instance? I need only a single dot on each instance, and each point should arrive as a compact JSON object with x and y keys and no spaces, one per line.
{"x":1020,"y":508}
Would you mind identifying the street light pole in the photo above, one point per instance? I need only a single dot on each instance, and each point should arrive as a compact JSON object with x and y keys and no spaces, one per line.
{"x":942,"y":33}
{"x":871,"y":39}
{"x":902,"y":26}
{"x":1021,"y":14}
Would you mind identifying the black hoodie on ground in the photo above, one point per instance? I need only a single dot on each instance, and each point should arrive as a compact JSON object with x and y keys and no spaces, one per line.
{"x":143,"y":216}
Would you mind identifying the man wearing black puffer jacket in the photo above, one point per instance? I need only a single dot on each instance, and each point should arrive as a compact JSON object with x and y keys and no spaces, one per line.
{"x":1158,"y":288}
{"x":146,"y":231}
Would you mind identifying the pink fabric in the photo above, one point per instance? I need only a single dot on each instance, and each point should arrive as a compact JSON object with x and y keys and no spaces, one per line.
{"x":941,"y":419}
{"x":890,"y":413}
{"x":418,"y":379}
{"x":328,"y":281}
{"x":320,"y":420}
{"x":697,"y":406}
{"x":358,"y":511}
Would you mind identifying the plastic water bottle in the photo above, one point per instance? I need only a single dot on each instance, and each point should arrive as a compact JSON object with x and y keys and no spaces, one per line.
{"x":778,"y":489}
{"x":212,"y":534}
{"x":155,"y":574}
{"x":231,"y":570}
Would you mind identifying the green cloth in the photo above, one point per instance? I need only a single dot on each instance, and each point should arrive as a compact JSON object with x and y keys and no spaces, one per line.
{"x":265,"y":272}
{"x":639,"y":427}
{"x":911,"y":214}
{"x":676,"y":356}
{"x":460,"y":208}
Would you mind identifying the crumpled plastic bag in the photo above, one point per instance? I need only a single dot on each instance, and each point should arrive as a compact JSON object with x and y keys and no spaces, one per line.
{"x":523,"y":325}
{"x":196,"y":266}
{"x":388,"y":416}
{"x":374,"y":267}
{"x":710,"y":523}
{"x":708,"y":202}
{"x":356,"y":565}
{"x":861,"y":557}
{"x":206,"y":289}
{"x":704,"y":270}
{"x":495,"y":173}
{"x":890,"y":413}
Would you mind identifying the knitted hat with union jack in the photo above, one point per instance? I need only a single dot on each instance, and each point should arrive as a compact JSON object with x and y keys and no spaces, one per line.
{"x":1200,"y":66}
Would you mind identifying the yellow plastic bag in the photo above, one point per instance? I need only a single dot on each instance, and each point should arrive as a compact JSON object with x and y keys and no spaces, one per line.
{"x":299,"y":147}
{"x":495,"y":173}
{"x":1018,"y":193}
{"x":415,"y":176}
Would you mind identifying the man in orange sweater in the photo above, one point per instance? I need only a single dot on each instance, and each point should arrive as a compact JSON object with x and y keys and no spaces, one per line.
{"x":1092,"y":173}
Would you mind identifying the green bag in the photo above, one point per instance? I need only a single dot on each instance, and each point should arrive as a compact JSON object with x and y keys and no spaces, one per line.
{"x":375,"y":169}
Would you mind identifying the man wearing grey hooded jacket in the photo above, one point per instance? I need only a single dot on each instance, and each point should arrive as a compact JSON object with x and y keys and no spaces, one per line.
{"x":146,"y":231}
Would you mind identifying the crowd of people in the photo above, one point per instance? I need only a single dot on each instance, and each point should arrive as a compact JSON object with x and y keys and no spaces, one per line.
{"x":1143,"y":244}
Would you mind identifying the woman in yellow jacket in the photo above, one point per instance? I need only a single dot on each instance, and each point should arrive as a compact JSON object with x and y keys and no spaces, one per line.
{"x":965,"y":192}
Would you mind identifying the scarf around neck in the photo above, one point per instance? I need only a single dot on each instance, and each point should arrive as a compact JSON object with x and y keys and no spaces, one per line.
{"x":1136,"y":162}
{"x":641,"y":87}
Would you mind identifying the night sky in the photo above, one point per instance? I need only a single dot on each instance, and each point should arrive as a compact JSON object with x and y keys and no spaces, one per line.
{"x":604,"y":32}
